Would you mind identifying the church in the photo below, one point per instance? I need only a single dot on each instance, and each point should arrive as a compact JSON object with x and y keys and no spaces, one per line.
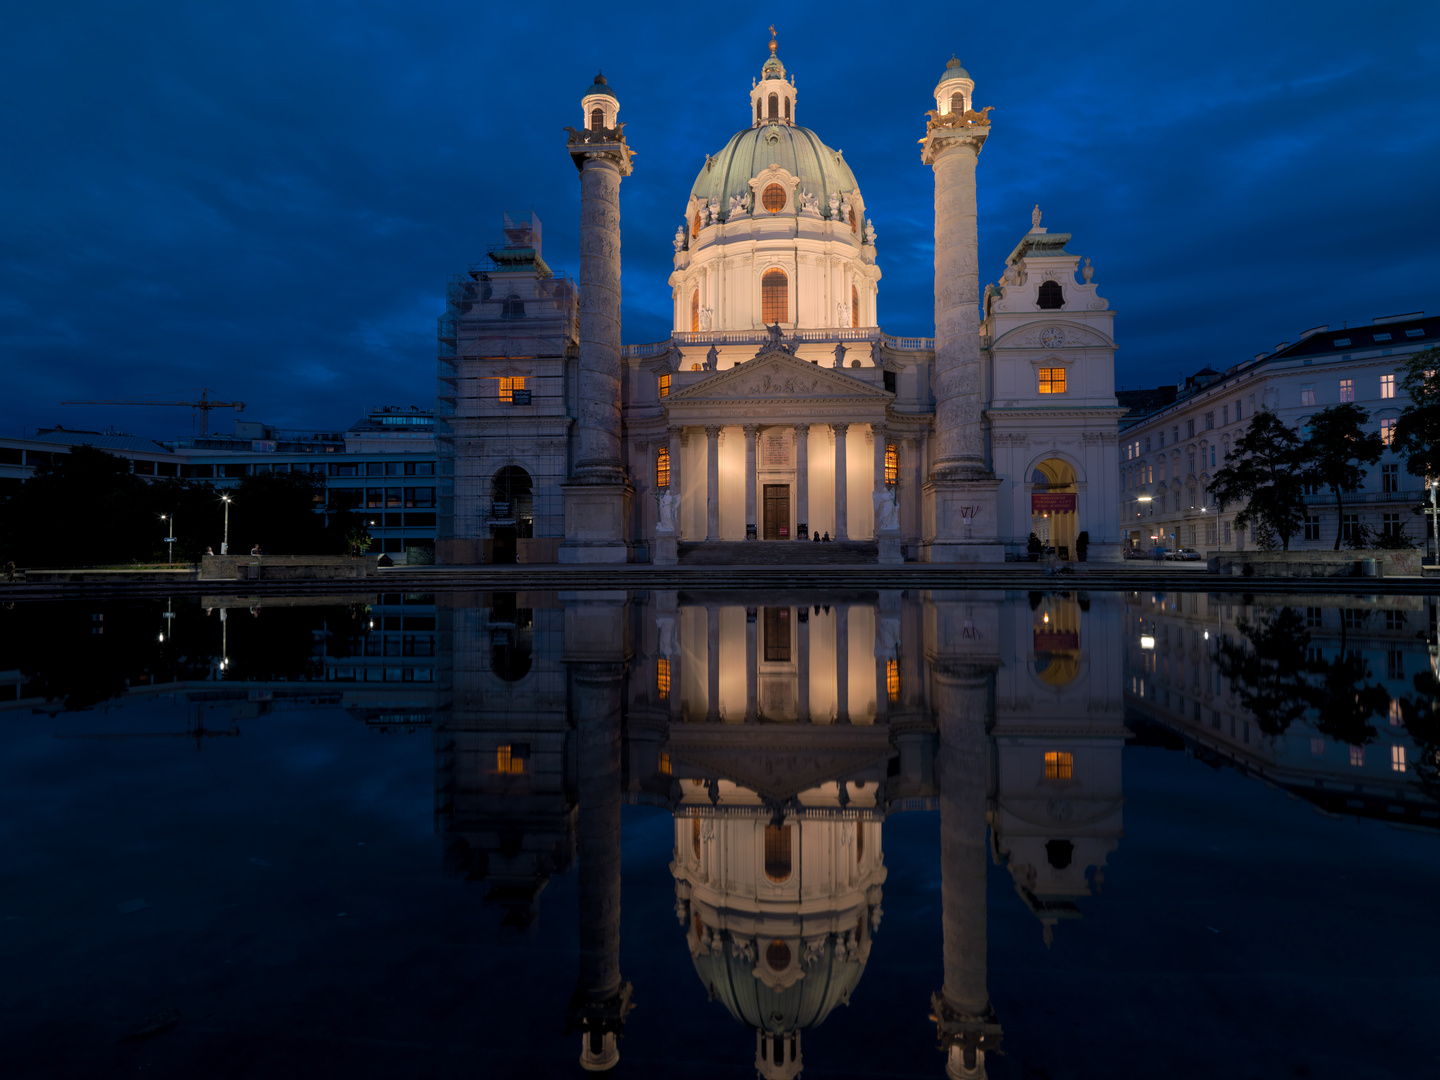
{"x":778,"y":412}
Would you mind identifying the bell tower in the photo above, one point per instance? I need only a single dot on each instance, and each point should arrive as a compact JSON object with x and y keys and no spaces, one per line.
{"x":772,"y":98}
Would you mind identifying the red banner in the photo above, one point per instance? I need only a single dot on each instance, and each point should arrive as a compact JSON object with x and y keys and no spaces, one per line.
{"x":1052,"y":503}
{"x":1055,"y":640}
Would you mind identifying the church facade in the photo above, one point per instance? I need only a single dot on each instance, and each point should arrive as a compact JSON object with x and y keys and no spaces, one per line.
{"x":778,"y":410}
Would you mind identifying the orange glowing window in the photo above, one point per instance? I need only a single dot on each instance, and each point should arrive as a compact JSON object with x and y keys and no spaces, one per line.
{"x":508,"y":761}
{"x":697,"y":367}
{"x":774,"y":297}
{"x":662,"y":684}
{"x":695,"y":307}
{"x":695,"y":225}
{"x":854,"y":306}
{"x":1059,"y":765}
{"x":666,"y":769}
{"x":892,"y":680}
{"x":892,"y":463}
{"x":777,"y":852}
{"x":508,"y":386}
{"x":665,"y":385}
{"x":1052,"y":380}
{"x":773,"y":198}
{"x":662,"y":467}
{"x":854,"y":223}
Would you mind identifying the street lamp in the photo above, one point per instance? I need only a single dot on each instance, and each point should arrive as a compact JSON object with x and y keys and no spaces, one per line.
{"x":225,"y":543}
{"x":170,"y":518}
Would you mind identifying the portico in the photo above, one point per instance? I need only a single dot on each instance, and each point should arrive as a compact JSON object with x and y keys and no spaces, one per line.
{"x":776,"y":448}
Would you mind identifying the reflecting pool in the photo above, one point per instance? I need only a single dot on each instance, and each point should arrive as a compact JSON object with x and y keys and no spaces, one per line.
{"x":863,"y":834}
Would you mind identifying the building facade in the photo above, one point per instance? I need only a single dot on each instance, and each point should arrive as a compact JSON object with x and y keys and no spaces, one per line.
{"x":1169,"y":456}
{"x":778,"y":410}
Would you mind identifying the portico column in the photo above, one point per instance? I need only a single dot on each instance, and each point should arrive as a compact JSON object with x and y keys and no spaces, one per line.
{"x":802,"y":668}
{"x":712,"y":483}
{"x":712,"y":662}
{"x":842,"y":664}
{"x":840,"y":484}
{"x":751,"y":663}
{"x":751,"y":430}
{"x":802,"y":481}
{"x":676,"y":489}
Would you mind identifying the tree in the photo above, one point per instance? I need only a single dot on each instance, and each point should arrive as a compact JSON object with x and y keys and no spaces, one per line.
{"x":1263,"y":472}
{"x":1338,"y":449}
{"x":1417,"y":432}
{"x":285,"y":514}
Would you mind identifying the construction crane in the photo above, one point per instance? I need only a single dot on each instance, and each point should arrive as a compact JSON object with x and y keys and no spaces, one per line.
{"x":203,"y":406}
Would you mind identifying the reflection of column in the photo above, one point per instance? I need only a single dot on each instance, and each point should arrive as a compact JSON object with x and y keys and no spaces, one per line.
{"x":751,"y":430}
{"x":712,"y":659}
{"x":601,"y":997}
{"x":803,"y":666}
{"x":802,"y":481}
{"x":842,"y":664}
{"x":879,"y":433}
{"x":962,"y":1010}
{"x":675,"y":488}
{"x":916,"y":450}
{"x":751,"y":663}
{"x":712,"y":483}
{"x":840,"y":484}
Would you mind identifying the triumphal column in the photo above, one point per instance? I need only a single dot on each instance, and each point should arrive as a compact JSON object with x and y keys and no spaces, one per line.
{"x":960,"y":521}
{"x":597,"y":495}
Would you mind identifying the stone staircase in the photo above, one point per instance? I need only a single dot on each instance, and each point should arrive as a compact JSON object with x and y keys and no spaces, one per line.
{"x":779,"y":553}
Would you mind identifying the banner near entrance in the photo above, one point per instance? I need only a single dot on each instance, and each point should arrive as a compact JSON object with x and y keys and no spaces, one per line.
{"x":1052,"y":503}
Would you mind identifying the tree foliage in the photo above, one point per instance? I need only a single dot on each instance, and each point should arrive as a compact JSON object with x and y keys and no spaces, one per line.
{"x":284,"y":514}
{"x":1264,"y":473}
{"x":1337,"y":452}
{"x":1417,"y":432}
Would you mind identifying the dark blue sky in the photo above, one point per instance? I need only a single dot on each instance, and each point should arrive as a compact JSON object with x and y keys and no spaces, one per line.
{"x":267,"y":198}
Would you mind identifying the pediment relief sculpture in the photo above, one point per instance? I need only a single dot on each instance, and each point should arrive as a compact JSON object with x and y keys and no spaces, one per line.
{"x":776,"y":374}
{"x":1053,"y":336}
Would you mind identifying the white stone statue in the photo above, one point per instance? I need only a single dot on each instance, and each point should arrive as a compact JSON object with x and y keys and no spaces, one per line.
{"x":1035,"y":217}
{"x":870,"y":233}
{"x":715,"y":211}
{"x":737,"y":207}
{"x":887,"y":639}
{"x":809,"y":203}
{"x":704,"y":318}
{"x":842,"y":313}
{"x":669,"y":507}
{"x":834,"y":206}
{"x":845,"y":209}
{"x":1087,"y":272}
{"x":681,"y":911}
{"x":669,"y":643}
{"x":679,"y":240}
{"x":887,"y":513}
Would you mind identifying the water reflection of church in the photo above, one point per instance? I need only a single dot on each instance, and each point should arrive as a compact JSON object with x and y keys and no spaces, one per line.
{"x":780,"y":736}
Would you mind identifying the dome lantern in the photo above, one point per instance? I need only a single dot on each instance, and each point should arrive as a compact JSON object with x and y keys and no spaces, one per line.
{"x":600,"y":105}
{"x":772,"y":98}
{"x":955,"y":90}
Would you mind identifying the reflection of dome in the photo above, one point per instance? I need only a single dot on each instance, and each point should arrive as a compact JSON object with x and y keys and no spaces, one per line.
{"x":798,"y":150}
{"x":829,"y":976}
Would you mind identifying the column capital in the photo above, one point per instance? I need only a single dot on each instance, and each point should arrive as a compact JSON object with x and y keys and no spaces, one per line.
{"x":712,"y":431}
{"x":840,"y":429}
{"x":751,"y":430}
{"x":940,"y":141}
{"x":802,"y":429}
{"x":675,"y":432}
{"x":879,"y":428}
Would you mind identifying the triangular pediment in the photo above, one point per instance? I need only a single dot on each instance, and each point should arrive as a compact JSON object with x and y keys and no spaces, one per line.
{"x":781,"y":762}
{"x":775,"y":376}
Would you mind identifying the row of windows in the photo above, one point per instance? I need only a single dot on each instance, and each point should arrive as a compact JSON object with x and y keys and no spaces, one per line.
{"x":380,"y":498}
{"x":377,"y":468}
{"x":1347,"y":390}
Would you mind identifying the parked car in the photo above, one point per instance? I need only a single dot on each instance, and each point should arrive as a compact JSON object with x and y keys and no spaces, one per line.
{"x":1159,"y":554}
{"x":1185,"y":555}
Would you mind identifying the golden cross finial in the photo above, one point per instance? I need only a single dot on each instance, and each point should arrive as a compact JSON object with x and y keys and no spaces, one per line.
{"x":772,"y":39}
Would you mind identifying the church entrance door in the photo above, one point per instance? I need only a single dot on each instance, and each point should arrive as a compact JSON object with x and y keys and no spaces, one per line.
{"x":777,"y":512}
{"x":503,"y":548}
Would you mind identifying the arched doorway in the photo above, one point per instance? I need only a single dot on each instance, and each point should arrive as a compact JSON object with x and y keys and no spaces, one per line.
{"x":1054,"y":505}
{"x":512,"y":513}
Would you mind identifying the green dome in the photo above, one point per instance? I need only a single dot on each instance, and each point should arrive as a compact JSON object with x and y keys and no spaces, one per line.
{"x":829,"y":981}
{"x":820,"y":169}
{"x":953,"y":70}
{"x":600,"y":87}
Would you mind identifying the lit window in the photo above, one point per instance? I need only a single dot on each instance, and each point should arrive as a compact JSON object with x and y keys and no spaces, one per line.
{"x":695,"y":225}
{"x":777,"y":852}
{"x":1396,"y":716}
{"x":666,"y":769}
{"x":774,"y":297}
{"x":508,"y":760}
{"x":662,"y":688}
{"x":1397,"y":758}
{"x":1059,"y":765}
{"x":1052,"y":380}
{"x":773,"y":198}
{"x":1347,"y":390}
{"x":854,"y":223}
{"x":662,"y":467}
{"x":892,"y":680}
{"x":665,"y":385}
{"x":1387,"y":430}
{"x":854,"y":306}
{"x":695,"y":311}
{"x":508,"y":386}
{"x":1307,"y":394}
{"x":957,"y":102}
{"x":597,"y":119}
{"x":1387,"y":386}
{"x":1357,"y":756}
{"x":892,"y":463}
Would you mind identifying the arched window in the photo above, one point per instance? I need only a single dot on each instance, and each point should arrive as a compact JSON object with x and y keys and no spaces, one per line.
{"x":774,"y":113}
{"x":777,"y":957}
{"x":957,"y":102}
{"x":787,"y":108}
{"x":695,"y":308}
{"x":860,"y":834}
{"x":892,"y":681}
{"x":854,"y":223}
{"x":774,"y":297}
{"x":665,"y":385}
{"x":773,"y":198}
{"x":777,"y":852}
{"x":758,"y":110}
{"x":662,"y":467}
{"x":854,"y":306}
{"x":695,"y":225}
{"x":597,"y":119}
{"x":1051,"y":296}
{"x":892,"y":463}
{"x":662,"y":691}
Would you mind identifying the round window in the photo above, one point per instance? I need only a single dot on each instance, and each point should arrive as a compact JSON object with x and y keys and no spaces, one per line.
{"x":777,"y":955}
{"x":773,"y":198}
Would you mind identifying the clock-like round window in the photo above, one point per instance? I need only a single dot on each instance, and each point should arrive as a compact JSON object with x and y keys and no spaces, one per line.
{"x":777,"y":955}
{"x":773,"y":198}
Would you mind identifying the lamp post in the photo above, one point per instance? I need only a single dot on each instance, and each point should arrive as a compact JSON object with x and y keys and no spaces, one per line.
{"x":170,"y":540}
{"x":225,"y":542}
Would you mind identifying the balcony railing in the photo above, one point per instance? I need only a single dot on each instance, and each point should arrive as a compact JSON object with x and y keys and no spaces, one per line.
{"x":823,"y":335}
